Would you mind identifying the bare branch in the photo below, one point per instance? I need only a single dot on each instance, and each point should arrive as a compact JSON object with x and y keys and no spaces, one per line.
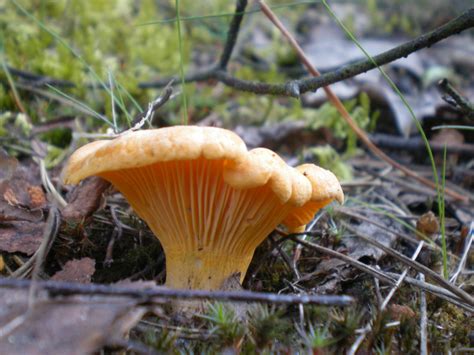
{"x":232,"y":33}
{"x":455,"y":26}
{"x":151,"y":294}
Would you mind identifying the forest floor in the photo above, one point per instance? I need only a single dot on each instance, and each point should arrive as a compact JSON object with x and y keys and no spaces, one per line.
{"x":388,"y":271}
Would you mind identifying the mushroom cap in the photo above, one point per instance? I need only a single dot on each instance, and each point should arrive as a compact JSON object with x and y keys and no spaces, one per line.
{"x":141,"y":148}
{"x":324,"y":189}
{"x":244,"y":169}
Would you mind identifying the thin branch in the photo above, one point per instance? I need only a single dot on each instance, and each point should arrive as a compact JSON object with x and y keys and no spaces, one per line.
{"x":149,"y":295}
{"x":467,"y":248}
{"x":232,"y":33}
{"x":455,"y":26}
{"x":415,"y":265}
{"x":400,"y":279}
{"x":423,"y":321}
{"x":455,"y":99}
{"x":383,"y":276}
{"x":343,"y":111}
{"x":368,"y":327}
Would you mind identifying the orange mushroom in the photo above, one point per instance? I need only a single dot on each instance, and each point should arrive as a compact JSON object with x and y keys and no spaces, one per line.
{"x":208,"y":199}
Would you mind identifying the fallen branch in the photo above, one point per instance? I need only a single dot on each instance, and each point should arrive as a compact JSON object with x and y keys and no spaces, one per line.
{"x":415,"y":265}
{"x":296,"y":87}
{"x":292,"y":88}
{"x":382,"y":276}
{"x":455,"y":99}
{"x":56,"y":288}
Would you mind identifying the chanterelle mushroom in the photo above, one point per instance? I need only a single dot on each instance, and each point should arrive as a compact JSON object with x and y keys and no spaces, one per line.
{"x":208,"y":199}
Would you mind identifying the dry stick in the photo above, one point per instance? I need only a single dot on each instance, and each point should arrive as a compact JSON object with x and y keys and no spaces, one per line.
{"x":401,"y":278}
{"x":415,"y":265}
{"x":347,"y":212}
{"x":342,"y":110}
{"x":435,"y":290}
{"x":296,"y":87}
{"x":423,"y":321}
{"x":467,"y":248}
{"x":456,"y":99}
{"x":383,"y":276}
{"x":150,"y":295}
{"x":368,"y":327}
{"x":49,"y":234}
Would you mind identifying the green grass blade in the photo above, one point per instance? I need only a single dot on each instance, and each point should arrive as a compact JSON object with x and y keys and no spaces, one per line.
{"x":442,"y":216}
{"x":82,"y":105}
{"x":227,"y":14}
{"x":181,"y":65}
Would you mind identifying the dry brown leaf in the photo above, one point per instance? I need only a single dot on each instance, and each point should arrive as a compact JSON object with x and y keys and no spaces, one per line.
{"x":10,"y":213}
{"x":66,"y":325}
{"x":37,"y":197}
{"x":21,"y":236}
{"x":85,"y":199}
{"x":76,"y":271}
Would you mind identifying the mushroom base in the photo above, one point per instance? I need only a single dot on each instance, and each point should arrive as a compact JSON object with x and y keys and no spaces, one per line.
{"x":202,"y":270}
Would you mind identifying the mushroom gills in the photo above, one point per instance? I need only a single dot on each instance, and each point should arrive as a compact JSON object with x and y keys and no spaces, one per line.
{"x":208,"y":229}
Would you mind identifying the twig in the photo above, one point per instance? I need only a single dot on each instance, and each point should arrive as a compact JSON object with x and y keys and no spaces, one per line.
{"x":144,"y":117}
{"x":48,"y":185}
{"x":116,"y":235}
{"x":368,"y":327}
{"x":467,"y":248}
{"x":151,"y":294}
{"x":401,"y":278}
{"x":218,"y":70}
{"x":435,"y":290}
{"x":343,"y":111}
{"x":423,"y":321}
{"x":38,"y":80}
{"x":415,"y":265}
{"x":383,"y":276}
{"x":455,"y":99}
{"x":49,"y":234}
{"x":296,"y":87}
{"x":347,"y":212}
{"x":232,"y":34}
{"x":351,"y":261}
{"x":416,"y":144}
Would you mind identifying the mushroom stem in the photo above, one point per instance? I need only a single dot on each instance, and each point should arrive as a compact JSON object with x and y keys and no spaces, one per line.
{"x":203,"y":270}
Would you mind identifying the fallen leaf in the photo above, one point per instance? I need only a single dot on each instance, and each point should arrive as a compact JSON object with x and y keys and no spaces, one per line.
{"x":21,"y":236}
{"x":37,"y":197}
{"x":72,"y":325}
{"x":21,"y":185}
{"x":76,"y":271}
{"x":85,"y":199}
{"x":12,"y":213}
